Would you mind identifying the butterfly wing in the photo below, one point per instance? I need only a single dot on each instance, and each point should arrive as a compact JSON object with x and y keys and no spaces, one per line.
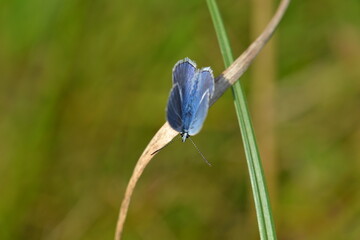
{"x":200,"y":114}
{"x":205,"y":89}
{"x":183,"y":72}
{"x":174,"y":109}
{"x":206,"y":81}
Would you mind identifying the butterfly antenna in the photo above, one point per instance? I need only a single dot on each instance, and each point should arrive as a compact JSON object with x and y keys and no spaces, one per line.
{"x":208,"y":163}
{"x":163,"y":146}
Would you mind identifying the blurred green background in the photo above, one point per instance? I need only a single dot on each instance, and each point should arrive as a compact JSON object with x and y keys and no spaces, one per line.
{"x":83,"y":88}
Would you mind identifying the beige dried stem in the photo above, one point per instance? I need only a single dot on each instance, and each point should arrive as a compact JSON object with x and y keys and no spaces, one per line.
{"x":222,"y":82}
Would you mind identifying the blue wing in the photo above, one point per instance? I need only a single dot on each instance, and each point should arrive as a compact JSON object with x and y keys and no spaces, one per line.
{"x":200,"y":114}
{"x":206,"y":81}
{"x":183,"y":73}
{"x":203,"y":93}
{"x":174,"y":109}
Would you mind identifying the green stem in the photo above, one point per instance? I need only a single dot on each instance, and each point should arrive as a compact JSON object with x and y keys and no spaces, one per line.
{"x":257,"y":177}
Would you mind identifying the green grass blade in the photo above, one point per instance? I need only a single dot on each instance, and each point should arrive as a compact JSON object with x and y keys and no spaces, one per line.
{"x":258,"y":183}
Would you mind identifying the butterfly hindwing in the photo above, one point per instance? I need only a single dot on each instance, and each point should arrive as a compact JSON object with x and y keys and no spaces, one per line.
{"x":174,"y":109}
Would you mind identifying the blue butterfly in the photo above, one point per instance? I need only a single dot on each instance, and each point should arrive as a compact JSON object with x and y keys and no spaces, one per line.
{"x":189,"y":100}
{"x":189,"y":97}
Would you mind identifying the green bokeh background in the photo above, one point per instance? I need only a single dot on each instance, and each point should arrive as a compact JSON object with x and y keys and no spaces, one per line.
{"x":83,"y":88}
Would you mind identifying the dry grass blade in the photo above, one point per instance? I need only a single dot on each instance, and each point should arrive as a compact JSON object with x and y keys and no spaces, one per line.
{"x":223,"y":82}
{"x":161,"y":138}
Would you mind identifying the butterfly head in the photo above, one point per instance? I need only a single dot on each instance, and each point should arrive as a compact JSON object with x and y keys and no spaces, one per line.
{"x":184,"y":136}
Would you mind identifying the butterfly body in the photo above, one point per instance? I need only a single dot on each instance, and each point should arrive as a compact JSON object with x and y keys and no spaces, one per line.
{"x":189,"y":98}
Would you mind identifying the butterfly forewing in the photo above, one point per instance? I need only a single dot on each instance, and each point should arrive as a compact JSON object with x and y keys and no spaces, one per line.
{"x":206,"y":81}
{"x":183,"y":73}
{"x":200,"y":114}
